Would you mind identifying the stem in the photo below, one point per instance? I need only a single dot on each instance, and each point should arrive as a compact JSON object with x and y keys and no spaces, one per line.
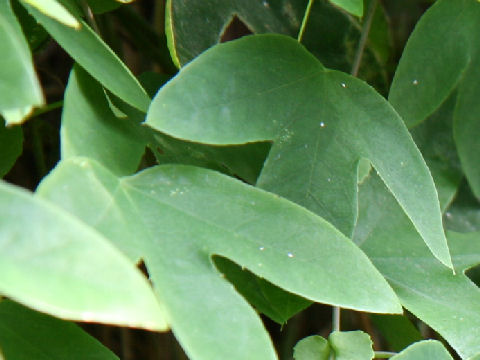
{"x":90,"y":18}
{"x":47,"y":108}
{"x":384,"y":354}
{"x":363,"y":37}
{"x":305,"y":20}
{"x":336,"y":318}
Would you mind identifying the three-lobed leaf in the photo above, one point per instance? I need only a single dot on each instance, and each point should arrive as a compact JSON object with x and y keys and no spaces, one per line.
{"x":321,"y":122}
{"x":180,"y":216}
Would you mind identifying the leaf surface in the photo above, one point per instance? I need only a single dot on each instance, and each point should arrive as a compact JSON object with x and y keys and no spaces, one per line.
{"x":86,"y":48}
{"x":26,"y":334}
{"x":172,"y":229}
{"x":438,"y":61}
{"x":351,"y":345}
{"x":89,"y":127}
{"x":56,"y":11}
{"x":20,"y":90}
{"x":424,"y":350}
{"x":449,"y":303}
{"x":52,"y":262}
{"x":354,"y":7}
{"x":321,"y":122}
{"x":11,"y":141}
{"x":312,"y":348}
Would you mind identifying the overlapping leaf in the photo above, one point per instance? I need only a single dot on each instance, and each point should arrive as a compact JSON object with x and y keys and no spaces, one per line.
{"x":11,"y":141}
{"x":86,"y":47}
{"x":449,"y":303}
{"x":443,"y":54}
{"x":19,"y":88}
{"x":52,"y":262}
{"x":26,"y":334}
{"x":55,"y":10}
{"x":321,"y":122}
{"x":179,"y":216}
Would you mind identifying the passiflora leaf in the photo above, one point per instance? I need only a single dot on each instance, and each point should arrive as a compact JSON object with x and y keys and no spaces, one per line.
{"x":312,"y":348}
{"x":56,"y":11}
{"x":20,"y":90}
{"x":11,"y":141}
{"x":424,"y":350}
{"x":321,"y":122}
{"x":449,"y":303}
{"x":89,"y":127}
{"x":176,"y":234}
{"x":437,"y":61}
{"x":398,"y":330}
{"x":27,"y":334}
{"x":52,"y":262}
{"x":351,"y":345}
{"x":86,"y":48}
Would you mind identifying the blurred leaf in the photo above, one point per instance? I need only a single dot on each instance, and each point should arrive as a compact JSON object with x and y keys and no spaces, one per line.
{"x":463,"y":215}
{"x":55,"y":10}
{"x":312,"y":348}
{"x":449,"y":303}
{"x":102,"y":6}
{"x":351,"y":345}
{"x":321,"y":122}
{"x":20,"y":90}
{"x":436,"y":61}
{"x":26,"y":335}
{"x":180,"y":216}
{"x":89,"y":127}
{"x":86,"y":48}
{"x":424,"y":350}
{"x":33,"y":31}
{"x":397,"y":330}
{"x":352,"y":6}
{"x":11,"y":144}
{"x":52,"y":262}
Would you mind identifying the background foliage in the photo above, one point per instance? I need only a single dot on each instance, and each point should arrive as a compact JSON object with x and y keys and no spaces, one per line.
{"x":173,"y":188}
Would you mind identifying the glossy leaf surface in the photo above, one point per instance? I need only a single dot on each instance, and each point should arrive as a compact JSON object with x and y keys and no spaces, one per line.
{"x":449,"y":303}
{"x":176,"y":234}
{"x":54,"y":263}
{"x":437,"y":61}
{"x":26,"y":334}
{"x":19,"y":88}
{"x":321,"y":122}
{"x":86,"y":48}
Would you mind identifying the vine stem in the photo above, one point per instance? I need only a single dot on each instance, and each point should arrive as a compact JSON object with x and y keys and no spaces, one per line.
{"x":384,"y":354}
{"x":305,"y":20}
{"x":363,"y":37}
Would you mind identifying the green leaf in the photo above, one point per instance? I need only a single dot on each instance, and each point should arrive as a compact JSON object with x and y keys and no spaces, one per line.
{"x":52,"y":262}
{"x":398,"y":330}
{"x":278,"y":304}
{"x":463,"y":215}
{"x":424,"y":350}
{"x":86,"y":48}
{"x":354,"y":7}
{"x":449,"y":303}
{"x":321,"y":122}
{"x":20,"y":90}
{"x":55,"y":10}
{"x":172,"y":229}
{"x":312,"y":348}
{"x":351,"y":345}
{"x":11,"y":144}
{"x":26,"y":334}
{"x":437,"y":61}
{"x":89,"y":127}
